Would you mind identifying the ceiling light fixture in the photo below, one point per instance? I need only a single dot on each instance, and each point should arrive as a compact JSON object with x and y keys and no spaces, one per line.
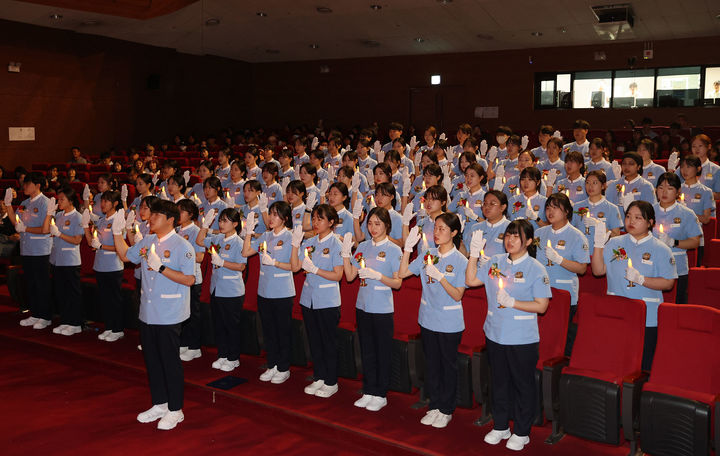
{"x":375,"y":7}
{"x":212,"y":21}
{"x":261,"y":14}
{"x":419,"y":39}
{"x":323,"y":10}
{"x":536,"y":33}
{"x":314,"y":46}
{"x":56,"y":17}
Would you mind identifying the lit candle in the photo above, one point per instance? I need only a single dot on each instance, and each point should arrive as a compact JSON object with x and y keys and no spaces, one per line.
{"x":549,"y":244}
{"x":500,"y":284}
{"x":17,"y":219}
{"x":567,"y":193}
{"x":423,"y":186}
{"x":422,"y":205}
{"x":622,"y":189}
{"x":306,"y":251}
{"x":94,"y":233}
{"x":90,"y":207}
{"x":661,"y":229}
{"x":212,"y":250}
{"x":362,"y":263}
{"x":52,"y":221}
{"x":482,"y":253}
{"x":629,"y":262}
{"x":425,"y":242}
{"x":682,"y":198}
{"x":503,"y":180}
{"x":264,"y":246}
{"x":372,"y":200}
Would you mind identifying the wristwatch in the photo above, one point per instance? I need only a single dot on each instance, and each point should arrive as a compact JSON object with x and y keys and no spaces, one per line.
{"x":161,"y":269}
{"x":677,"y":243}
{"x":538,"y":220}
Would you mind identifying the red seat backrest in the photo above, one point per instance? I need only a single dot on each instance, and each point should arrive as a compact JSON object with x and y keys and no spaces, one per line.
{"x":611,"y":331}
{"x":710,"y":229}
{"x":475,"y":307}
{"x":407,"y":305}
{"x":348,"y":300}
{"x":684,"y":356}
{"x":591,"y":284}
{"x":711,"y":256}
{"x":251,"y":277}
{"x":553,"y":325}
{"x":704,"y":287}
{"x":299,"y":278}
{"x":87,"y":258}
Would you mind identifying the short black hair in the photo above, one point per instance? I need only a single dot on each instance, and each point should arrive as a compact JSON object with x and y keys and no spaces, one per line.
{"x":166,"y":208}
{"x":189,"y":207}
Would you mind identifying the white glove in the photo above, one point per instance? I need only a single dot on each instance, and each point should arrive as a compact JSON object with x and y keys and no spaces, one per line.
{"x":498,"y":183}
{"x":477,"y":243}
{"x":553,"y":256}
{"x":308,"y":265}
{"x":407,"y":214}
{"x":86,"y":193}
{"x":267,"y":260}
{"x":118,"y":222}
{"x":357,"y":209}
{"x":315,"y":142}
{"x":229,"y":200}
{"x":216,"y":260}
{"x":406,"y":183}
{"x":186,"y":177}
{"x":616,"y":169}
{"x":262,"y":203}
{"x":667,"y":240}
{"x":524,"y":142}
{"x":138,"y":237}
{"x":8,"y":196}
{"x":483,"y":148}
{"x":672,"y":161}
{"x":209,"y":218}
{"x":601,"y":234}
{"x":368,"y":273}
{"x":442,"y":137}
{"x":633,"y":275}
{"x":377,"y":148}
{"x":504,"y":299}
{"x":626,"y":199}
{"x":470,"y":214}
{"x":311,"y":201}
{"x":155,"y":177}
{"x":251,"y":223}
{"x":370,"y":177}
{"x":450,"y":153}
{"x":95,"y":243}
{"x":20,"y":226}
{"x":347,"y":243}
{"x":355,"y":183}
{"x":413,"y":142}
{"x":130,"y":219}
{"x":417,"y":161}
{"x":163,"y":194}
{"x":557,"y":134}
{"x":297,"y":236}
{"x":433,"y":272}
{"x":85,"y":219}
{"x":54,"y":231}
{"x":324,"y":185}
{"x":589,"y":221}
{"x":447,"y":182}
{"x":483,"y":260}
{"x":124,"y":192}
{"x":412,"y":239}
{"x":331,"y":172}
{"x":499,"y":172}
{"x":52,"y":206}
{"x":94,"y":217}
{"x":551,"y":177}
{"x":381,"y":156}
{"x":492,"y":155}
{"x":530,"y":213}
{"x":284,"y":183}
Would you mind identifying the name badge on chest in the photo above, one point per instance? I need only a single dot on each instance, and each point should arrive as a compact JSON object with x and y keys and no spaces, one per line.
{"x":519,"y":277}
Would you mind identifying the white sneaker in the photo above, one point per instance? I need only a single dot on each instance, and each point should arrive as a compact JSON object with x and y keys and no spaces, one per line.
{"x":183,"y":350}
{"x":280,"y":377}
{"x":363,"y":401}
{"x":114,"y":336}
{"x":59,"y":329}
{"x":495,"y":436}
{"x":153,"y":413}
{"x":517,"y":443}
{"x":229,"y":366}
{"x":29,"y":321}
{"x":312,"y":388}
{"x":170,"y":420}
{"x":189,"y":355}
{"x":268,"y":374}
{"x":326,"y":391}
{"x":441,"y":420}
{"x":376,"y":403}
{"x":41,"y":324}
{"x":429,"y":417}
{"x":217,"y":364}
{"x":70,"y":330}
{"x":104,"y":334}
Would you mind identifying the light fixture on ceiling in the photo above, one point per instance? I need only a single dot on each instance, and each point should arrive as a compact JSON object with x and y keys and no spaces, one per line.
{"x":435,"y":79}
{"x":536,"y":33}
{"x":483,"y":36}
{"x":56,"y":17}
{"x":323,"y":10}
{"x":261,"y":14}
{"x":563,"y":30}
{"x":375,"y":7}
{"x":272,"y":51}
{"x":314,"y":46}
{"x":212,"y":22}
{"x":419,"y":39}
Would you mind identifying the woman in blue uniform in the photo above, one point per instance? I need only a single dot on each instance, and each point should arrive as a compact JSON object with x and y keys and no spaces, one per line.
{"x":213,"y":190}
{"x":494,"y":209}
{"x":468,"y":203}
{"x":680,"y":229}
{"x":651,"y":170}
{"x":309,"y":176}
{"x":67,"y":232}
{"x":205,"y":170}
{"x":271,"y":187}
{"x":384,"y":197}
{"x":651,"y":272}
{"x":377,"y":262}
{"x":276,"y":287}
{"x":573,"y":184}
{"x":191,"y":336}
{"x":596,"y":207}
{"x":35,"y":246}
{"x":433,"y":204}
{"x":227,"y":289}
{"x":144,"y":186}
{"x":255,"y":200}
{"x":442,"y":273}
{"x":105,"y":183}
{"x":632,"y":186}
{"x":235,"y":182}
{"x":432,"y":175}
{"x":295,"y":195}
{"x":339,"y":199}
{"x":107,"y":266}
{"x":320,"y":298}
{"x":529,"y":204}
{"x":511,"y":330}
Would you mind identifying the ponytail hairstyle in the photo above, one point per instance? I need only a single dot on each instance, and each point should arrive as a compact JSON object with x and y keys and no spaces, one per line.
{"x":111,"y":181}
{"x":114,"y":197}
{"x":147,"y":178}
{"x":189,"y":207}
{"x":525,"y":231}
{"x":180,"y":181}
{"x":453,"y":222}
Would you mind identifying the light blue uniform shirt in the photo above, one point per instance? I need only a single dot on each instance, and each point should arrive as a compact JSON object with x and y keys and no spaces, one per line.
{"x":197,"y":189}
{"x":679,"y":223}
{"x":335,"y":161}
{"x":602,"y":210}
{"x":426,"y":226}
{"x":64,"y":253}
{"x":301,"y":160}
{"x":96,"y":204}
{"x":316,"y":190}
{"x":583,"y":148}
{"x":397,"y":182}
{"x":274,"y":282}
{"x":318,"y":292}
{"x":546,"y":165}
{"x":511,"y":168}
{"x":298,"y":213}
{"x":571,"y":244}
{"x":474,"y":201}
{"x":383,"y":257}
{"x":494,"y":234}
{"x":642,"y":189}
{"x":367,"y":165}
{"x":405,"y":162}
{"x":163,"y":301}
{"x":223,"y":173}
{"x":262,"y":163}
{"x":523,"y":279}
{"x":710,"y":176}
{"x":273,"y":193}
{"x":235,"y":189}
{"x":135,"y":205}
{"x":502,"y":154}
{"x":539,"y":153}
{"x":226,"y":283}
{"x":144,"y":229}
{"x":346,"y":223}
{"x":189,"y":233}
{"x":516,"y":207}
{"x":255,"y":174}
{"x":246,"y":210}
{"x":698,"y":198}
{"x":289,"y":173}
{"x":395,"y":219}
{"x":576,"y":188}
{"x":220,"y":205}
{"x":512,"y":187}
{"x":32,"y":212}
{"x":651,"y":172}
{"x":650,"y":257}
{"x":438,"y":310}
{"x":458,"y":185}
{"x":604,"y":166}
{"x":106,"y":260}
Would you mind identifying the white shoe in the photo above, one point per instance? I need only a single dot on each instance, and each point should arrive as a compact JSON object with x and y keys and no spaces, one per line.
{"x":326,"y":391}
{"x":59,"y":329}
{"x":29,"y":321}
{"x":153,"y":413}
{"x":183,"y":350}
{"x":114,"y":336}
{"x":268,"y":374}
{"x":495,"y":436}
{"x":104,"y":334}
{"x":170,"y":420}
{"x":312,"y":388}
{"x":217,"y":364}
{"x":139,"y":347}
{"x":429,"y":417}
{"x":70,"y":330}
{"x":376,"y":403}
{"x":441,"y":420}
{"x":41,"y":324}
{"x":229,"y":366}
{"x":189,"y":355}
{"x":517,"y":443}
{"x":280,"y":377}
{"x":363,"y":401}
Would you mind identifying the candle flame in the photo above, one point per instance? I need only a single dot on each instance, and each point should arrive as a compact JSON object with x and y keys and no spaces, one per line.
{"x":94,"y":233}
{"x":307,"y":249}
{"x":662,"y":230}
{"x":549,"y":244}
{"x":482,"y":252}
{"x":622,"y":189}
{"x":500,"y":284}
{"x":362,"y":263}
{"x":52,"y":221}
{"x":152,"y":248}
{"x":264,"y":246}
{"x":629,"y":262}
{"x":682,"y":197}
{"x":17,"y":219}
{"x":372,"y":200}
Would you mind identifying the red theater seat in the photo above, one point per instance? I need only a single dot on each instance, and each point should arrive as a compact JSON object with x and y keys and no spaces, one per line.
{"x":472,"y":360}
{"x":407,"y":351}
{"x":711,"y":255}
{"x":704,"y":287}
{"x":553,"y":327}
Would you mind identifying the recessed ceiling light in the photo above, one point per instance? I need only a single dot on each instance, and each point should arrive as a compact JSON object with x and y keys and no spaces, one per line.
{"x":444,"y":2}
{"x":212,"y":21}
{"x":323,"y":10}
{"x":563,"y":30}
{"x":56,"y":17}
{"x":261,"y":14}
{"x":419,"y":39}
{"x":536,"y":33}
{"x":314,"y":46}
{"x":375,"y":7}
{"x":272,"y":51}
{"x":483,"y":36}
{"x":370,"y":43}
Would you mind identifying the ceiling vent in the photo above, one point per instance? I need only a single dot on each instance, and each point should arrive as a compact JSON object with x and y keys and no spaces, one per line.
{"x":614,"y":22}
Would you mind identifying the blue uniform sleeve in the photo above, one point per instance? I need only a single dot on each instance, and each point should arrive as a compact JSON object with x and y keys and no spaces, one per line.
{"x":187,"y":262}
{"x":691,"y":227}
{"x":581,"y":250}
{"x":395,"y":259}
{"x":237,"y":256}
{"x":666,"y":263}
{"x":482,"y":272}
{"x":460,"y":266}
{"x":133,"y":253}
{"x":541,"y":283}
{"x":336,"y":253}
{"x":75,"y":226}
{"x":612,"y":218}
{"x":417,"y":265}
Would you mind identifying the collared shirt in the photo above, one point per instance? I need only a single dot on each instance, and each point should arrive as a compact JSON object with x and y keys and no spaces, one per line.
{"x":709,"y":177}
{"x":604,"y":166}
{"x":511,"y":168}
{"x":367,"y":165}
{"x":319,"y":292}
{"x":96,"y":209}
{"x":396,"y":229}
{"x":298,"y":213}
{"x":546,"y":165}
{"x":247,"y":210}
{"x":64,"y":253}
{"x":517,"y":207}
{"x":226,"y":283}
{"x":426,"y":226}
{"x":650,"y":257}
{"x":575,"y":188}
{"x":301,"y":160}
{"x":583,"y":148}
{"x":106,"y":260}
{"x":698,"y":198}
{"x":220,"y":205}
{"x":494,"y":234}
{"x":602,"y":210}
{"x":335,"y":162}
{"x":163,"y":301}
{"x":254,"y":173}
{"x":383,"y":257}
{"x":273,"y":193}
{"x":289,"y":173}
{"x":540,"y":153}
{"x":679,"y":223}
{"x":223,"y":173}
{"x":275,"y":282}
{"x":523,"y":279}
{"x":512,"y":187}
{"x":438,"y":310}
{"x":32,"y":212}
{"x":639,"y":187}
{"x":651,"y":172}
{"x":571,"y":244}
{"x":346,"y":223}
{"x":235,"y":189}
{"x":189,"y":233}
{"x":474,"y":201}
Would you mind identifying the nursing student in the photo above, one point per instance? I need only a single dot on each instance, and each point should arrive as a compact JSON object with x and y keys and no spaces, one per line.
{"x":433,"y":204}
{"x":596,"y":207}
{"x":494,"y":209}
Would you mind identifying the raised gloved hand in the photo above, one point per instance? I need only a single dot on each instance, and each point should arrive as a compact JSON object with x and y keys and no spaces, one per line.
{"x":626,"y":199}
{"x":530,"y":213}
{"x":370,"y":177}
{"x":633,"y":275}
{"x":499,"y":174}
{"x":433,"y":272}
{"x":447,"y":182}
{"x":492,"y":155}
{"x":186,"y":177}
{"x":138,"y":237}
{"x":357,"y":209}
{"x":8,"y":196}
{"x":52,"y":206}
{"x":412,"y":239}
{"x":95,"y":243}
{"x":413,"y":142}
{"x":284,"y":183}
{"x":470,"y":214}
{"x":308,"y":265}
{"x":667,"y":240}
{"x":86,"y":193}
{"x":267,"y":260}
{"x":315,"y":143}
{"x":20,"y":226}
{"x":601,"y":234}
{"x":408,"y":214}
{"x":130,"y":219}
{"x":483,"y":148}
{"x":417,"y":161}
{"x":118,"y":223}
{"x":368,"y":273}
{"x":347,"y":243}
{"x":377,"y":150}
{"x":673,"y":161}
{"x":251,"y":223}
{"x":311,"y":201}
{"x":209,"y":218}
{"x":450,"y":153}
{"x":552,"y":255}
{"x":355,"y":183}
{"x":324,"y":185}
{"x":124,"y":193}
{"x":297,"y":236}
{"x":616,"y":169}
{"x":262,"y":203}
{"x":216,"y":260}
{"x":551,"y":177}
{"x":524,"y":141}
{"x":557,"y":134}
{"x":85,"y":219}
{"x":504,"y":299}
{"x":477,"y":243}
{"x":153,"y":260}
{"x":406,"y":182}
{"x":155,"y":177}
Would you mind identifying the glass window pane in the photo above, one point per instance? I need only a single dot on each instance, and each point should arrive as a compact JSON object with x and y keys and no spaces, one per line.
{"x":591,"y":89}
{"x":547,"y":93}
{"x":678,"y":86}
{"x":563,"y":88}
{"x":712,"y":86}
{"x":633,"y":88}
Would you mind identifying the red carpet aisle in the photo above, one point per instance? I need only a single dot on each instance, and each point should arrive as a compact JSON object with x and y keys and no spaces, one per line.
{"x":61,"y":394}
